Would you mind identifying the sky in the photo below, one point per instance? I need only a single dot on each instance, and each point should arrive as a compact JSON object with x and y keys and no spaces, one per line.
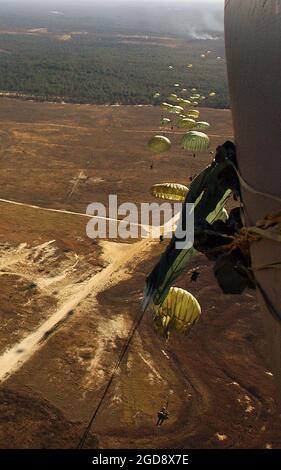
{"x":202,"y":19}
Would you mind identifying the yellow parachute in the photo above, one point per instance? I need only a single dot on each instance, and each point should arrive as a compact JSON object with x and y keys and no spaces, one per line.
{"x":186,"y":123}
{"x":173,"y":97}
{"x":170,"y":191}
{"x":193,"y":113}
{"x":195,"y":141}
{"x":166,"y":106}
{"x":189,"y":66}
{"x":186,"y":103}
{"x":202,"y":126}
{"x":165,"y":121}
{"x":159,"y":144}
{"x":180,"y":311}
{"x":176,"y":109}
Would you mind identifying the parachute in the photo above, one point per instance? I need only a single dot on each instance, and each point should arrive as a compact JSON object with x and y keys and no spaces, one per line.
{"x":189,"y":66}
{"x":186,"y":102}
{"x":165,"y":121}
{"x":176,"y":85}
{"x":170,"y":191}
{"x":209,"y":192}
{"x":202,"y":126}
{"x":159,"y":144}
{"x":176,"y":109}
{"x":193,"y":113}
{"x":180,"y":311}
{"x":166,"y":106}
{"x":186,"y":123}
{"x":156,"y":95}
{"x":212,"y":94}
{"x":183,"y":102}
{"x":173,"y":97}
{"x":195,"y":141}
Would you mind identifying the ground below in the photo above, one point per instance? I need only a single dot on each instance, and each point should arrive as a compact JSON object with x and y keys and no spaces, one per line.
{"x":68,"y":303}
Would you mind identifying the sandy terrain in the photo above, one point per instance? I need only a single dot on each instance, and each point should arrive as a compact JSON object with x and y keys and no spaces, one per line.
{"x":69,"y":303}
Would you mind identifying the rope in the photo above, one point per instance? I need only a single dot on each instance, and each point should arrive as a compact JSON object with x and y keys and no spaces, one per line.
{"x":117,"y":365}
{"x":250,"y":188}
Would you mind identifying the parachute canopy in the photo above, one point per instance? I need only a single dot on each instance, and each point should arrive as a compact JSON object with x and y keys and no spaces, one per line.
{"x":212,"y":93}
{"x":175,"y":109}
{"x":156,"y":95}
{"x":186,"y":123}
{"x":193,"y":113}
{"x":165,"y":121}
{"x":170,"y":191}
{"x":173,"y":97}
{"x":195,"y":141}
{"x":202,"y":126}
{"x":166,"y":106}
{"x":159,"y":144}
{"x":179,"y":311}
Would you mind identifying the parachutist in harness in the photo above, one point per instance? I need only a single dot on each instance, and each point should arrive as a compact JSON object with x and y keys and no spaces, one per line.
{"x":163,"y":415}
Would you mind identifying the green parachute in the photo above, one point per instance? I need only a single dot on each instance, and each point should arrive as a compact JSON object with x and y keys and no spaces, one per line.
{"x":159,"y":144}
{"x":195,"y":141}
{"x":186,"y":123}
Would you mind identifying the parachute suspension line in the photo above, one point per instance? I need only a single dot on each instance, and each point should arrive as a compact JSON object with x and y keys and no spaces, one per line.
{"x":251,"y":189}
{"x":116,"y":367}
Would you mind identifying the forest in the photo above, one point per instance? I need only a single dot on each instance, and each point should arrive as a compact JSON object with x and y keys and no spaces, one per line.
{"x":89,"y":68}
{"x":109,"y":52}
